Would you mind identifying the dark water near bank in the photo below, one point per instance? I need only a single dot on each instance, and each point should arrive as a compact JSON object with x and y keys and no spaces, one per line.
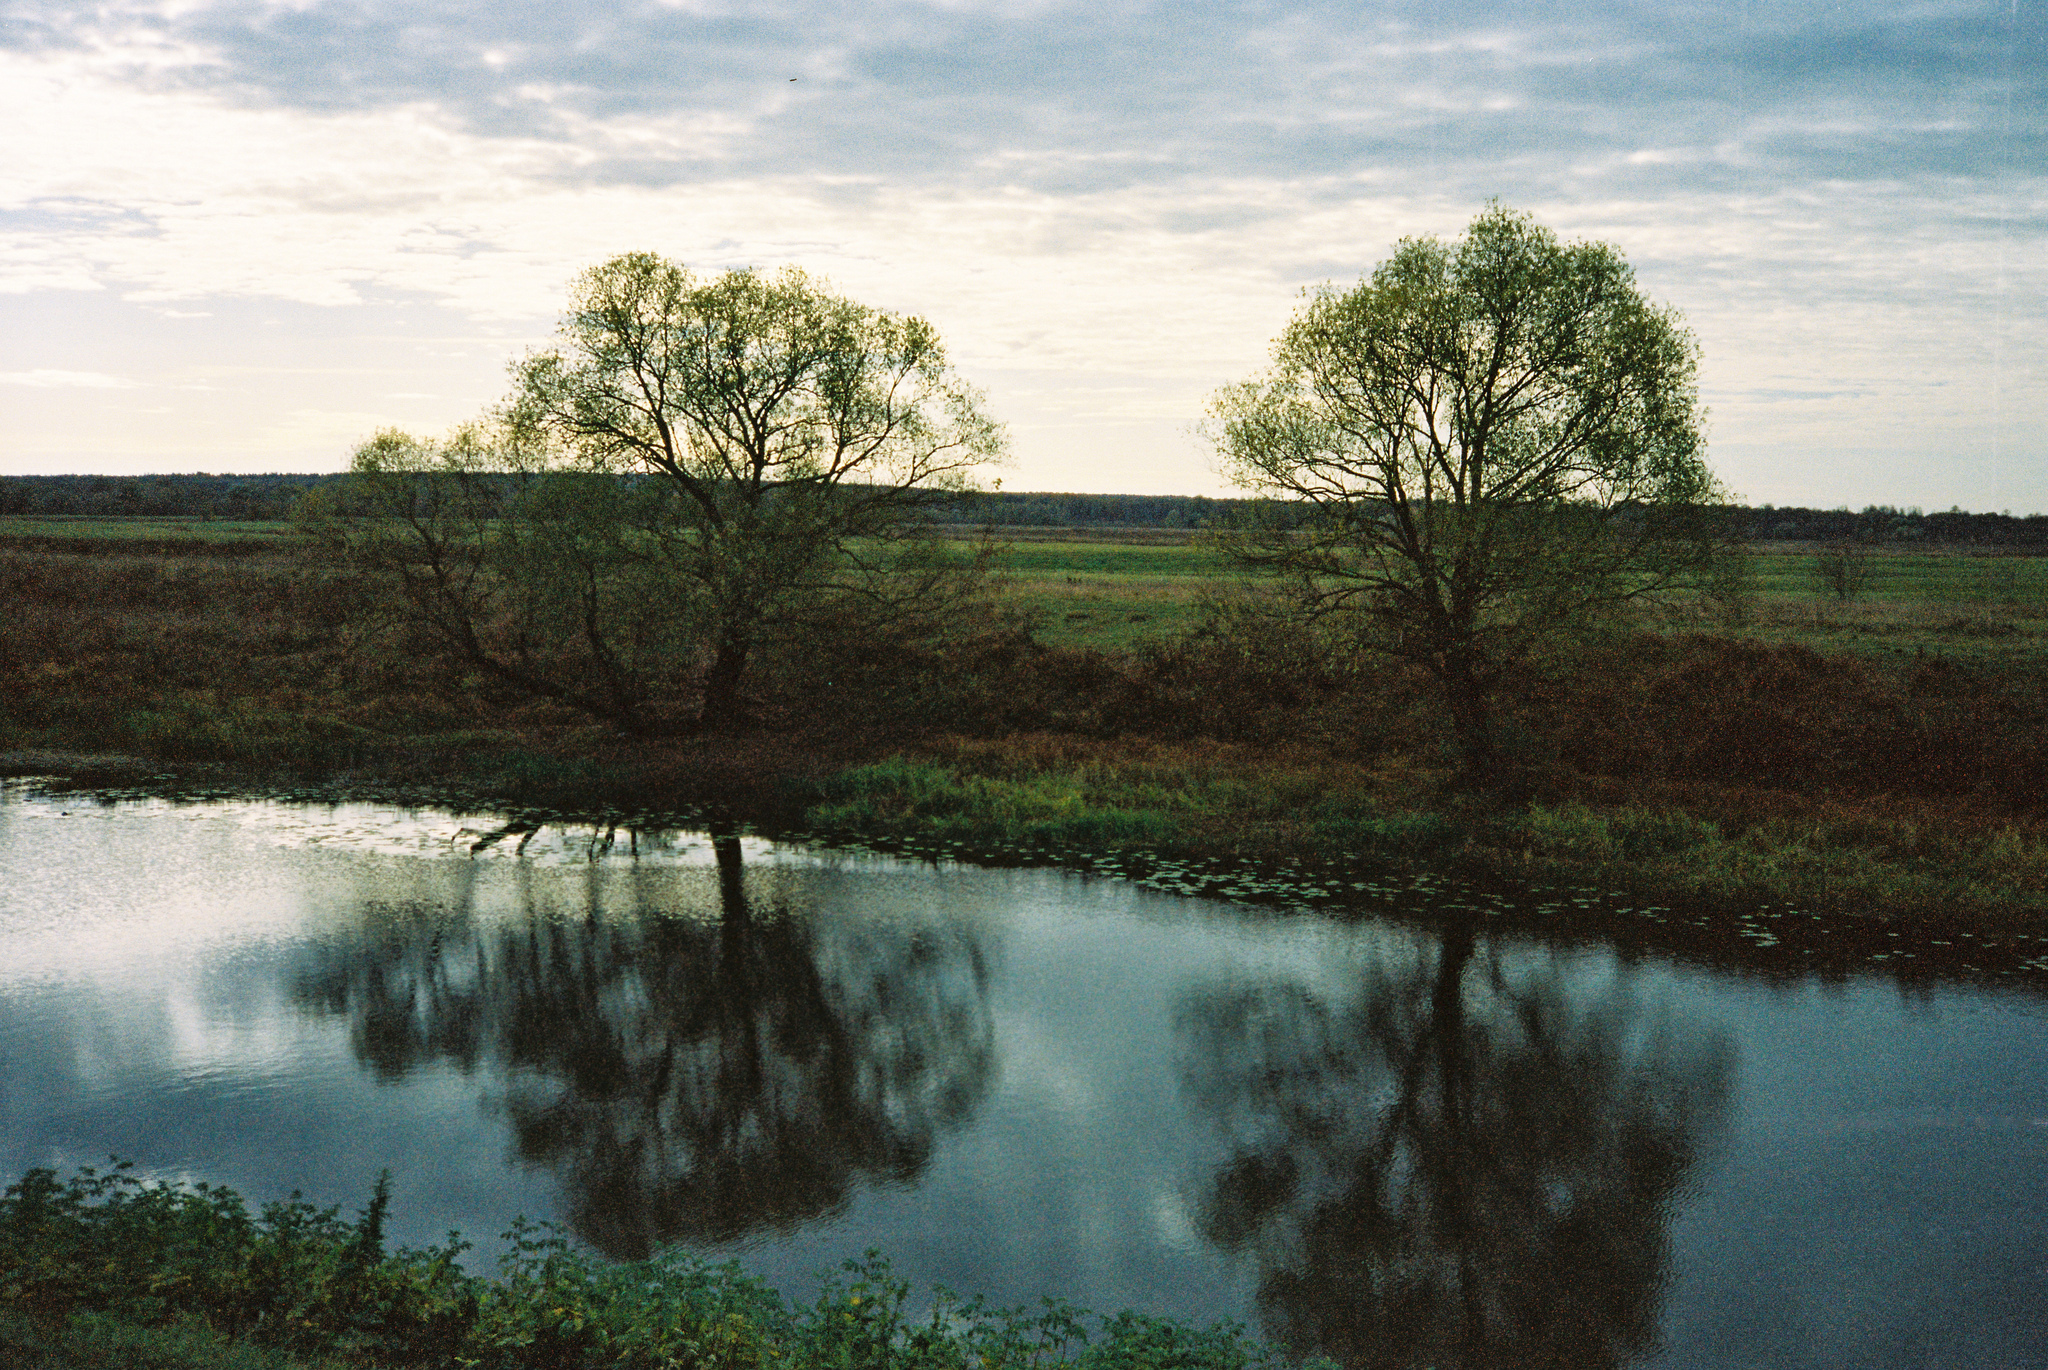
{"x":1396,"y":1144}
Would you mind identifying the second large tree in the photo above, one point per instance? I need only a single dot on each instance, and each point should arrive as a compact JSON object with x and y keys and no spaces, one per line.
{"x":1484,"y":443}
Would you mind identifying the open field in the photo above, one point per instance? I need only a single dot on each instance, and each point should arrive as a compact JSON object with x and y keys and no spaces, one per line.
{"x":144,"y":529}
{"x":1114,"y":588}
{"x":1109,"y":593}
{"x":1112,"y":592}
{"x":1875,"y":755}
{"x":1109,"y":589}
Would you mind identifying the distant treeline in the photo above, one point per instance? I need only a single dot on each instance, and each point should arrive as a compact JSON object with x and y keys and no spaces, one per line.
{"x":195,"y":496}
{"x":1007,"y":510}
{"x":272,"y":496}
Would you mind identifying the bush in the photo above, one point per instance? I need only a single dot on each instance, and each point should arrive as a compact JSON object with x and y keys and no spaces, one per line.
{"x":103,"y":1269}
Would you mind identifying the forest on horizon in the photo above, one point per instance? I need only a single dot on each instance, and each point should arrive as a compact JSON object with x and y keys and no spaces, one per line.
{"x":271,"y":496}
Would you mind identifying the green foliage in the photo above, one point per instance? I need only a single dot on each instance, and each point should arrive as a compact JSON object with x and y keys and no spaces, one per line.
{"x":1627,"y":832}
{"x":1046,"y":809}
{"x":1841,"y":569}
{"x":1386,"y":835}
{"x":799,"y":437}
{"x":294,"y":1276}
{"x":104,"y":1270}
{"x":97,"y":1341}
{"x":200,"y":726}
{"x":1484,"y":445}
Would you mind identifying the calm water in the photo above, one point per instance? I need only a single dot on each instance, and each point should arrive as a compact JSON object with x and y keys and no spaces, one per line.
{"x":1398,"y":1145}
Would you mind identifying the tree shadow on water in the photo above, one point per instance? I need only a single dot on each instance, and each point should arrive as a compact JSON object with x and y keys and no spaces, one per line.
{"x":690,"y":1079}
{"x":1465,"y":1164}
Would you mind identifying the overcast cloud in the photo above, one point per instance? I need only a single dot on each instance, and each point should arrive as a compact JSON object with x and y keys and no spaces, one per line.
{"x":241,"y":235}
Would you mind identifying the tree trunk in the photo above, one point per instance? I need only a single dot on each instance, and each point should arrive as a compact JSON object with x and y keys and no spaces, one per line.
{"x":1471,"y":722}
{"x":722,"y":711}
{"x":732,"y":878}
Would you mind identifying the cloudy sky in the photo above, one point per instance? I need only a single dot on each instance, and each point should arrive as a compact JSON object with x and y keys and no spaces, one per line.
{"x":241,"y":236}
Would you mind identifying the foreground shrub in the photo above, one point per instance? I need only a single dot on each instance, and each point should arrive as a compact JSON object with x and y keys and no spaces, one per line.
{"x":103,"y":1269}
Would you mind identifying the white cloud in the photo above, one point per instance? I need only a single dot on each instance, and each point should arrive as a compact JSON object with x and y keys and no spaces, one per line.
{"x":1107,"y":212}
{"x":46,"y":379}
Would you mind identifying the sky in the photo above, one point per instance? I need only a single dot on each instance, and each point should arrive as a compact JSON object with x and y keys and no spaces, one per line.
{"x":238,"y":235}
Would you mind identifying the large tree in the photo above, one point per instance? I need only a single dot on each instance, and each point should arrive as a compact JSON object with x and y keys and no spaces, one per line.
{"x":700,"y":468}
{"x":801,"y":433}
{"x":1484,"y":443}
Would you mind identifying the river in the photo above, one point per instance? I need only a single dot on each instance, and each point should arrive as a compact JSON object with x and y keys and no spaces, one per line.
{"x":1395,"y":1140}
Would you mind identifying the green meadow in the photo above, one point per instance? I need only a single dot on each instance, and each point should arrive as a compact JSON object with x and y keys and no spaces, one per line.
{"x":15,"y":528}
{"x":1112,"y":592}
{"x":1114,"y":588}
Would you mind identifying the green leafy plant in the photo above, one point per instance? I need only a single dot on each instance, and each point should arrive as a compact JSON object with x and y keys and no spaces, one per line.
{"x":172,"y":1275}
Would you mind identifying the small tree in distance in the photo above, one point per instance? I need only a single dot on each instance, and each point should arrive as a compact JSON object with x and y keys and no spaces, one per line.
{"x":1841,"y":568}
{"x":1483,"y":445}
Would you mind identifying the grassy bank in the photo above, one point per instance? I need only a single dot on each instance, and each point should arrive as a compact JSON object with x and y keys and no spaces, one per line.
{"x":1925,"y":863}
{"x":1833,"y":756}
{"x":100,"y":1270}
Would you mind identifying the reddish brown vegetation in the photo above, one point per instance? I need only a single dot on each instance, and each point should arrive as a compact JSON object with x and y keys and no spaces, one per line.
{"x":1695,"y":712}
{"x":264,"y":659}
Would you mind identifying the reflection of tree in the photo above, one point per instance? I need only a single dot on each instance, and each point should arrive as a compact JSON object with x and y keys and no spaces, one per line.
{"x":693,"y":1079}
{"x":1456,"y":1168}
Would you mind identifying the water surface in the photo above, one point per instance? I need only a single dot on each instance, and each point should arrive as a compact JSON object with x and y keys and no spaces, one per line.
{"x":1397,"y":1142}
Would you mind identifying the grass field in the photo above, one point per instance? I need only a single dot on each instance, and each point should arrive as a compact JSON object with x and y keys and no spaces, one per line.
{"x":144,"y":529}
{"x":1974,"y":605}
{"x":1881,"y":753}
{"x":1112,"y":592}
{"x":1114,"y":588}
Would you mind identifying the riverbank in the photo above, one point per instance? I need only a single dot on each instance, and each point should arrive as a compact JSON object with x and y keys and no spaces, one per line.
{"x":1884,"y":858}
{"x":1777,"y":885}
{"x":1868,"y":857}
{"x":1665,"y":766}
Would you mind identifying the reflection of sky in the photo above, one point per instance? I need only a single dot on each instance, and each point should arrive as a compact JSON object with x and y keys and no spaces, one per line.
{"x":1877,"y":1198}
{"x":336,"y":216}
{"x":1885,"y":1198}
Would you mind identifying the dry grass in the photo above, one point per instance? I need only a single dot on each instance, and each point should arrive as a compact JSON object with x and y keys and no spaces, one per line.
{"x":1895,"y":783}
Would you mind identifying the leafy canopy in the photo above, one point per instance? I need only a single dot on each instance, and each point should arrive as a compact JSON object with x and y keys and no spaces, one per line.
{"x":1481,"y":445}
{"x":743,"y":384}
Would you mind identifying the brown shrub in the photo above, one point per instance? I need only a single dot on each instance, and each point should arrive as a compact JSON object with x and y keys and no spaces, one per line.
{"x":1718,"y":711}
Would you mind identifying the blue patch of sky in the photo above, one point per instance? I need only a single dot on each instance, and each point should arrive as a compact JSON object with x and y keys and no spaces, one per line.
{"x":893,"y":89}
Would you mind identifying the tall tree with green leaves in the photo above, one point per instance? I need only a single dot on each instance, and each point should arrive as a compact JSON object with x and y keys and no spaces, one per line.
{"x":802,"y":434}
{"x":1483,"y":444}
{"x":699,"y":468}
